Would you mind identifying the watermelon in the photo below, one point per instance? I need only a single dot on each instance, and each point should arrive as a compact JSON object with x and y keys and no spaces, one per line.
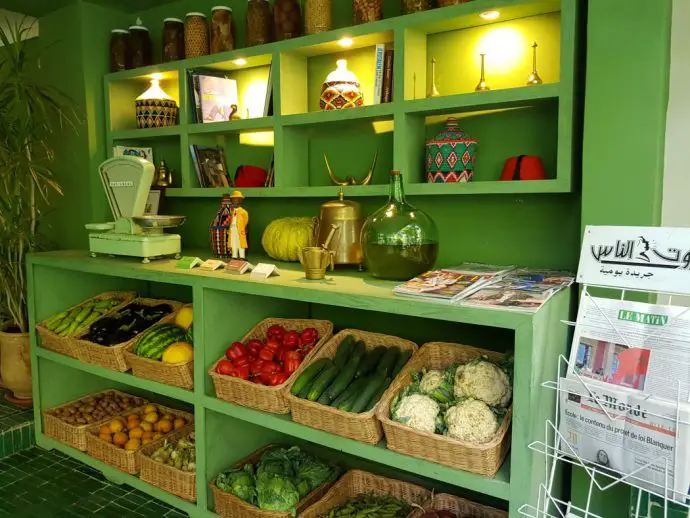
{"x":155,"y":343}
{"x":189,"y":337}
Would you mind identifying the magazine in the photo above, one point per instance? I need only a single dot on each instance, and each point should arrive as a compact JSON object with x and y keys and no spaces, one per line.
{"x":210,"y":166}
{"x":451,"y":284}
{"x":218,"y":98}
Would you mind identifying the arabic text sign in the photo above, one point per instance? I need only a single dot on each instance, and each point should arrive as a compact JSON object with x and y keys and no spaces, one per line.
{"x":644,"y":258}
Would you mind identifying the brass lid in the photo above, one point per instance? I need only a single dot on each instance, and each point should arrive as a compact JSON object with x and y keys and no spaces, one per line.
{"x":343,"y":209}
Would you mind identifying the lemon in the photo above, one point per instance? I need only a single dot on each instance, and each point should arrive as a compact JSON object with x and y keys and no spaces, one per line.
{"x":184,"y":317}
{"x":180,"y":352}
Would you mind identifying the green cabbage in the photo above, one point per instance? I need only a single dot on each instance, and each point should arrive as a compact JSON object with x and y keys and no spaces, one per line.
{"x":276,"y":493}
{"x":239,"y":482}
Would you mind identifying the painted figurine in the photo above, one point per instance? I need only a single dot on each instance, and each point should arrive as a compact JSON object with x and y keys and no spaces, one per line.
{"x":237,"y":222}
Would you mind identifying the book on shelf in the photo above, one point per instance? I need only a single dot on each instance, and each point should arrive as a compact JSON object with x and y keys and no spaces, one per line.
{"x":378,"y":72}
{"x":521,"y":290}
{"x":195,"y":100}
{"x":387,"y":91}
{"x":268,"y":103}
{"x":451,"y":284}
{"x":210,"y":166}
{"x":271,"y":176}
{"x":238,"y":266}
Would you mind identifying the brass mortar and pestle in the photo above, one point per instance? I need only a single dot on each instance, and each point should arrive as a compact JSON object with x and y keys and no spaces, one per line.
{"x":316,"y":259}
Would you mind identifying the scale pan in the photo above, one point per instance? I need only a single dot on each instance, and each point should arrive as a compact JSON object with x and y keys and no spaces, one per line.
{"x":159,"y":221}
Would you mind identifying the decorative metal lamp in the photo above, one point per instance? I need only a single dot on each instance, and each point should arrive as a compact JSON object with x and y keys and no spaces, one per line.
{"x":155,"y":108}
{"x":482,"y":86}
{"x":534,"y":78}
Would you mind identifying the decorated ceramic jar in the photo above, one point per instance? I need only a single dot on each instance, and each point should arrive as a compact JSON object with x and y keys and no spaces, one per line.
{"x":450,"y":155}
{"x":341,"y":89}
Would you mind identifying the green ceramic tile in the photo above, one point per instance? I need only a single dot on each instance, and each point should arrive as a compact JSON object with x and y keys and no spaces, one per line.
{"x":7,"y":443}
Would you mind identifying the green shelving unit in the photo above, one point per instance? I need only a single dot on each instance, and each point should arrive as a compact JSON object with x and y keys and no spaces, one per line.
{"x":226,"y":306}
{"x":510,"y":119}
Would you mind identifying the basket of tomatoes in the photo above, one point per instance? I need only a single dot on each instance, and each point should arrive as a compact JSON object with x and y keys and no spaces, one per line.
{"x":254,"y":371}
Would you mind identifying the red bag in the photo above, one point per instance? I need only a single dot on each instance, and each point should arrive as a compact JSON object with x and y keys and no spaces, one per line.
{"x":250,"y":176}
{"x":523,"y":167}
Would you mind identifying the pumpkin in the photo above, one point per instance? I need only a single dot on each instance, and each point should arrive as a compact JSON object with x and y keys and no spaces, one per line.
{"x":284,"y":237}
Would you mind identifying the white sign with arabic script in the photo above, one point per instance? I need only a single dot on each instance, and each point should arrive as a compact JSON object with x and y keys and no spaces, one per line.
{"x":644,"y":258}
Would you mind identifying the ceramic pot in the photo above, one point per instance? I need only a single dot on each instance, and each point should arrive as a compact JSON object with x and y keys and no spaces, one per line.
{"x":450,"y":155}
{"x":341,"y":89}
{"x":15,"y":363}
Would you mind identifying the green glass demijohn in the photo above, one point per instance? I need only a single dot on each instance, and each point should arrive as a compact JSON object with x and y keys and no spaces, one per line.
{"x":398,"y":241}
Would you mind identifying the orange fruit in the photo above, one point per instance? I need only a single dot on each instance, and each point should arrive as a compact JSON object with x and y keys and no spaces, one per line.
{"x":168,"y":417}
{"x":136,"y":433}
{"x":150,"y":409}
{"x":144,"y":442}
{"x":132,"y":416}
{"x":147,"y":435}
{"x":179,"y":423}
{"x":116,"y":426}
{"x":134,"y":423}
{"x":106,"y":437}
{"x":105,"y":430}
{"x":151,"y":417}
{"x":120,"y":438}
{"x":133,"y":444}
{"x":146,"y":426}
{"x":164,"y":426}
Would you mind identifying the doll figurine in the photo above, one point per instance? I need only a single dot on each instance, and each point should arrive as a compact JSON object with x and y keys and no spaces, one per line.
{"x":237,"y":222}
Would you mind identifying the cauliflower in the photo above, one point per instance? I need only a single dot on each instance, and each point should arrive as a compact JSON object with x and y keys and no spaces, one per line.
{"x":484,"y":381}
{"x":431,"y":381}
{"x":438,"y":385}
{"x":471,"y":421}
{"x":417,"y":411}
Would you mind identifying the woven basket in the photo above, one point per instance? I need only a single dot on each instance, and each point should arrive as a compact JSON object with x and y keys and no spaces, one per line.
{"x":253,"y":395}
{"x":363,"y":427}
{"x":113,"y":357}
{"x":228,"y":505}
{"x":459,"y":506}
{"x":63,"y":344}
{"x":484,"y":459}
{"x":75,"y":435}
{"x":127,"y":461}
{"x":356,"y":482}
{"x":170,"y":479}
{"x":178,"y":374}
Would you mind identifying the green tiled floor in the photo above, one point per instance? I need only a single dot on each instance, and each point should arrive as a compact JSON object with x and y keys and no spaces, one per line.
{"x":16,"y":427}
{"x":40,"y":484}
{"x":12,"y":416}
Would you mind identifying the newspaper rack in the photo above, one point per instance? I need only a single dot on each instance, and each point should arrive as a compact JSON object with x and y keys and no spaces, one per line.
{"x":555,"y":447}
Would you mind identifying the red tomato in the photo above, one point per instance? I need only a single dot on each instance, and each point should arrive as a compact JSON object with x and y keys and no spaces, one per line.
{"x":255,"y":367}
{"x":235,"y":351}
{"x":309,"y":336}
{"x":280,"y":355}
{"x":291,"y":366}
{"x":274,"y":342}
{"x":241,"y":362}
{"x":267,"y":353}
{"x":267,"y":369}
{"x":257,"y":380}
{"x":276,"y":331}
{"x":278,"y":378}
{"x":242,"y":372}
{"x":225,"y":368}
{"x":291,"y":340}
{"x":254,"y":346}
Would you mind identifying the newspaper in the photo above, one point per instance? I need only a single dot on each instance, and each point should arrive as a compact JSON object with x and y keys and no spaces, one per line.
{"x":644,"y":347}
{"x":624,"y":431}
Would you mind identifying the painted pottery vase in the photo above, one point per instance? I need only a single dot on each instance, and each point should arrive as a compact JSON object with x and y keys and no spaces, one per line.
{"x":156,"y":113}
{"x":399,"y":241}
{"x":450,"y":155}
{"x":196,"y":42}
{"x":15,"y":367}
{"x":341,"y":90}
{"x":218,"y":231}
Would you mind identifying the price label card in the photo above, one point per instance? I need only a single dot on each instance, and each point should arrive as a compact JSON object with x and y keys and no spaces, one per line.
{"x":187,"y":263}
{"x":263,"y":271}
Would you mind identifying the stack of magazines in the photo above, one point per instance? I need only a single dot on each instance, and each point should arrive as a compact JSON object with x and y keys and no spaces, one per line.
{"x":484,"y":285}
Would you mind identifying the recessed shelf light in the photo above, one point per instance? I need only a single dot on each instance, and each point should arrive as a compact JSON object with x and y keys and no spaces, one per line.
{"x":490,"y":15}
{"x":240,"y":62}
{"x":345,"y":42}
{"x":157,"y":76}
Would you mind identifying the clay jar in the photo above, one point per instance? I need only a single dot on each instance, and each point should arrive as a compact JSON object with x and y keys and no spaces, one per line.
{"x":140,"y":49}
{"x":318,"y":16}
{"x":195,"y":35}
{"x":173,"y":39}
{"x":414,"y":6}
{"x":259,"y":22}
{"x":365,"y":11}
{"x":118,"y":49}
{"x":288,"y":19}
{"x":222,"y":38}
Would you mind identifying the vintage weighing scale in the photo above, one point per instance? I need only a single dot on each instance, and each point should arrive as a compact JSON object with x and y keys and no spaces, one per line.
{"x":127,"y":181}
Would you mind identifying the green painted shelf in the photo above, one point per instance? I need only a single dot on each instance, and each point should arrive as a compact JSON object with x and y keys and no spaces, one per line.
{"x":326,"y":191}
{"x":257,"y":124}
{"x":365,"y":113}
{"x":497,"y":187}
{"x":148,"y":133}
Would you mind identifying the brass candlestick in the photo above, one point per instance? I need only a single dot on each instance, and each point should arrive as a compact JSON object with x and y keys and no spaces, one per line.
{"x":434,"y":91}
{"x":534,"y":78}
{"x":482,"y":86}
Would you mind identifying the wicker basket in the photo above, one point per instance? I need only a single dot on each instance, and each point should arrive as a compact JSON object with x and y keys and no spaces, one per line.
{"x":113,"y":357}
{"x":356,"y":482}
{"x":170,"y":479}
{"x":459,"y":506}
{"x":228,"y":505}
{"x":75,"y":435}
{"x":178,"y":374}
{"x":253,"y":395}
{"x":484,"y":459}
{"x":363,"y":427}
{"x":127,"y":461}
{"x":63,"y":344}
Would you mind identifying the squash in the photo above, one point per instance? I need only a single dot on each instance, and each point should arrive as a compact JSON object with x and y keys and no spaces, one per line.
{"x":179,"y":352}
{"x":284,"y":237}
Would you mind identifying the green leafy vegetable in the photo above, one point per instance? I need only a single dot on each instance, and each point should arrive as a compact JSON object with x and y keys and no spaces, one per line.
{"x":276,"y":493}
{"x":239,"y":482}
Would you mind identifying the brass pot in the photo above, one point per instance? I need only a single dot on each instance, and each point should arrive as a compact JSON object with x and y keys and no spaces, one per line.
{"x":347,"y":217}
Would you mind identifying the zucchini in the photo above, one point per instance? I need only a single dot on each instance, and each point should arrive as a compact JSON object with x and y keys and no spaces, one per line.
{"x":358,"y":352}
{"x":308,"y":375}
{"x":370,"y":361}
{"x":302,"y":394}
{"x":344,"y":350}
{"x":385,"y":366}
{"x":346,"y":375}
{"x":371,"y":388}
{"x":346,"y":394}
{"x":322,"y":382}
{"x":402,"y":360}
{"x":378,"y":394}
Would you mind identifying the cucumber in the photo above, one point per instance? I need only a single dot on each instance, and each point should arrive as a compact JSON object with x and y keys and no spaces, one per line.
{"x":349,"y":392}
{"x":308,"y":375}
{"x":302,"y":394}
{"x":385,"y":366}
{"x":370,"y":389}
{"x":378,"y":394}
{"x":54,"y":321}
{"x":344,"y":378}
{"x":322,"y":381}
{"x":344,"y":350}
{"x":370,"y":361}
{"x":324,"y":399}
{"x":402,"y":360}
{"x":358,"y":352}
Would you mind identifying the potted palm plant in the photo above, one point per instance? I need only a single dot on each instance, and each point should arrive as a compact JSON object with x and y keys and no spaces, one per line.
{"x":30,"y":114}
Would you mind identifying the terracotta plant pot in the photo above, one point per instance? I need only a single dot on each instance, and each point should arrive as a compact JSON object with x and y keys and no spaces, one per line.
{"x":15,"y":363}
